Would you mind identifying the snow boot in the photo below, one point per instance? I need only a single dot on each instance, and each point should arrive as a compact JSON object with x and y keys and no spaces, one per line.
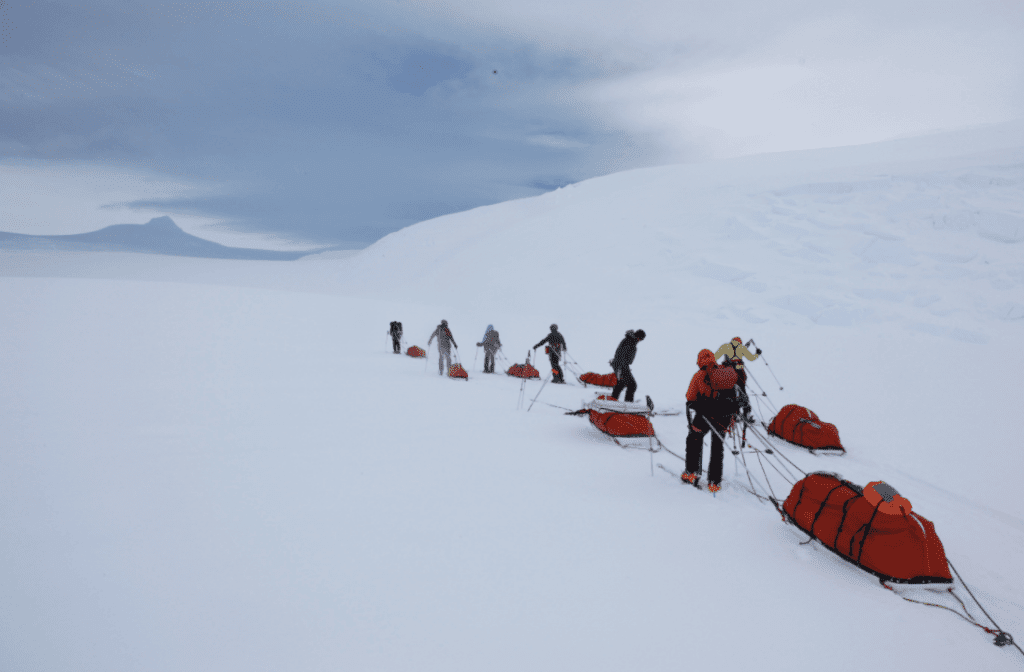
{"x":691,"y":478}
{"x":714,"y":487}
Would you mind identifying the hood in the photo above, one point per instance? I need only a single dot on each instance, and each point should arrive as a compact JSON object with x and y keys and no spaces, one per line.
{"x":705,"y":358}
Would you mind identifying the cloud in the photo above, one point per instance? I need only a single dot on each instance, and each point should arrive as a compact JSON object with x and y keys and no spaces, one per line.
{"x":342,"y":120}
{"x":339,"y":122}
{"x":736,"y":77}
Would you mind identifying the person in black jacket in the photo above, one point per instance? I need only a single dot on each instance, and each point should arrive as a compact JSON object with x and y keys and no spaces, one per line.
{"x":396,"y":337}
{"x":624,"y":356}
{"x":556,"y":344}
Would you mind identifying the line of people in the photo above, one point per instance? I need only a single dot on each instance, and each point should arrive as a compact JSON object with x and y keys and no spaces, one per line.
{"x":708,"y":408}
{"x":555,"y":348}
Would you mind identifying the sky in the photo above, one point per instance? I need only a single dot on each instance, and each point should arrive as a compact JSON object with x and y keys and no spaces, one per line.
{"x":335,"y":122}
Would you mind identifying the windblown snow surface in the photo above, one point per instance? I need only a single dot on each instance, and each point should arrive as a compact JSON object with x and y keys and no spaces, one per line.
{"x":219,"y":465}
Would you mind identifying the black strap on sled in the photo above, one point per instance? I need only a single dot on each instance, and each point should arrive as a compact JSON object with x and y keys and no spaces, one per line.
{"x":822,"y":507}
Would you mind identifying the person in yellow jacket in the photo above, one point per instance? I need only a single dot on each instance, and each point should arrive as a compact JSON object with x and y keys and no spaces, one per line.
{"x":733,"y":353}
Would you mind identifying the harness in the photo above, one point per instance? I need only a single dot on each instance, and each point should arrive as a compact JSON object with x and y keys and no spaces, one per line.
{"x":735,"y":361}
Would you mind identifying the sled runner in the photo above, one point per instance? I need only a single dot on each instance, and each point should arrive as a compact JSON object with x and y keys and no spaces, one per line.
{"x":622,"y":421}
{"x":456,"y":371}
{"x":600,"y":380}
{"x":873,"y":527}
{"x":416,"y":351}
{"x":802,"y":427}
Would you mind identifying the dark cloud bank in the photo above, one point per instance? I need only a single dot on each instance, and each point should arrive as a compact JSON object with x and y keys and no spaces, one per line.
{"x":320,"y":124}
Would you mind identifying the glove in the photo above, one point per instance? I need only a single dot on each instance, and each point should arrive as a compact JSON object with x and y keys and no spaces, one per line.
{"x":757,"y":350}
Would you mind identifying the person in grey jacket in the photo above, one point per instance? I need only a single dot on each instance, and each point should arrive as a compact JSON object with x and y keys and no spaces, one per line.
{"x":491,"y":344}
{"x":445,"y":341}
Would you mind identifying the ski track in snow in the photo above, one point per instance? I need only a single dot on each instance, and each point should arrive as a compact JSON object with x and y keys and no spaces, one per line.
{"x":219,"y":465}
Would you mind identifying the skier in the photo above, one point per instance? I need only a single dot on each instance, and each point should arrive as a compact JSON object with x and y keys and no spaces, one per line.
{"x":556,"y":344}
{"x":396,"y":337}
{"x":623,"y":359}
{"x":491,"y":344}
{"x":712,"y":410}
{"x":732,"y":354}
{"x":445,"y":341}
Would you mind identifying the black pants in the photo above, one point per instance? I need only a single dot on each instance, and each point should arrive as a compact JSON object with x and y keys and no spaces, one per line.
{"x":695,"y":447}
{"x":743,"y":399}
{"x":396,"y":344}
{"x":556,"y":370}
{"x":488,"y":361}
{"x":625,"y":380}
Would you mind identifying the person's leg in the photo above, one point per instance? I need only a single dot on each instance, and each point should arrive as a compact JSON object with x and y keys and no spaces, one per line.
{"x":694,"y":452}
{"x":630,"y":384}
{"x":556,"y":370}
{"x":695,"y":445}
{"x":717,"y":456}
{"x":619,"y":384}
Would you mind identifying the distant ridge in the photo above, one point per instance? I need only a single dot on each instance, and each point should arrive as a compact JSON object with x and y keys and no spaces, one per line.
{"x":158,"y":236}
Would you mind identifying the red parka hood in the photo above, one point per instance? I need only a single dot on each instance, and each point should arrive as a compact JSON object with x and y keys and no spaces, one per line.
{"x":705,"y":358}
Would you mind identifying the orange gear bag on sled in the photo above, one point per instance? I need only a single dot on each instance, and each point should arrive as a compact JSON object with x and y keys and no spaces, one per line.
{"x":802,"y":427}
{"x":872,"y":527}
{"x":523,"y":371}
{"x":600,"y":380}
{"x":416,"y":351}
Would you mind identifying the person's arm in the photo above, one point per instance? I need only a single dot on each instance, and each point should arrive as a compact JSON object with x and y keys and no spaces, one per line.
{"x":542,"y":342}
{"x":723,"y":351}
{"x":430,"y":340}
{"x":742,"y":350}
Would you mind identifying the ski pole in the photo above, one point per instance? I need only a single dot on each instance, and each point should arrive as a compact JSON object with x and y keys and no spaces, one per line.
{"x":538,"y":393}
{"x":765,"y":360}
{"x":474,"y":358}
{"x":426,"y":358}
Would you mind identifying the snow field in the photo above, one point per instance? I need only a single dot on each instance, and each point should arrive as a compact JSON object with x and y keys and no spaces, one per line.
{"x":220,"y":465}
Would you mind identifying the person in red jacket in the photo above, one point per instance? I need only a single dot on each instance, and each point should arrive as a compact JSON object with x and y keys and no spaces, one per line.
{"x":707,"y":409}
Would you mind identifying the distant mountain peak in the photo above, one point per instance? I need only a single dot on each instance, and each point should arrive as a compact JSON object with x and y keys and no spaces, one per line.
{"x":163,"y":223}
{"x":159,"y":235}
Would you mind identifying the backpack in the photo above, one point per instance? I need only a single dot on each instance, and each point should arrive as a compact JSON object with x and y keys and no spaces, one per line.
{"x":722,"y":378}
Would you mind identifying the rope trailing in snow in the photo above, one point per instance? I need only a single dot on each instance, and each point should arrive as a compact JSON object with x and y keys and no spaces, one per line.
{"x":538,"y":393}
{"x":1002,"y":638}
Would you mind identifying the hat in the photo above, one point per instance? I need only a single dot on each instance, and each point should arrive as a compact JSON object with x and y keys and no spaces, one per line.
{"x":640,"y":334}
{"x":444,"y":323}
{"x":737,"y":338}
{"x":554,"y":327}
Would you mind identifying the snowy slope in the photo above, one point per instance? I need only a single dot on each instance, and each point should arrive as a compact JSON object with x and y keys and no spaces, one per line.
{"x":218,"y":465}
